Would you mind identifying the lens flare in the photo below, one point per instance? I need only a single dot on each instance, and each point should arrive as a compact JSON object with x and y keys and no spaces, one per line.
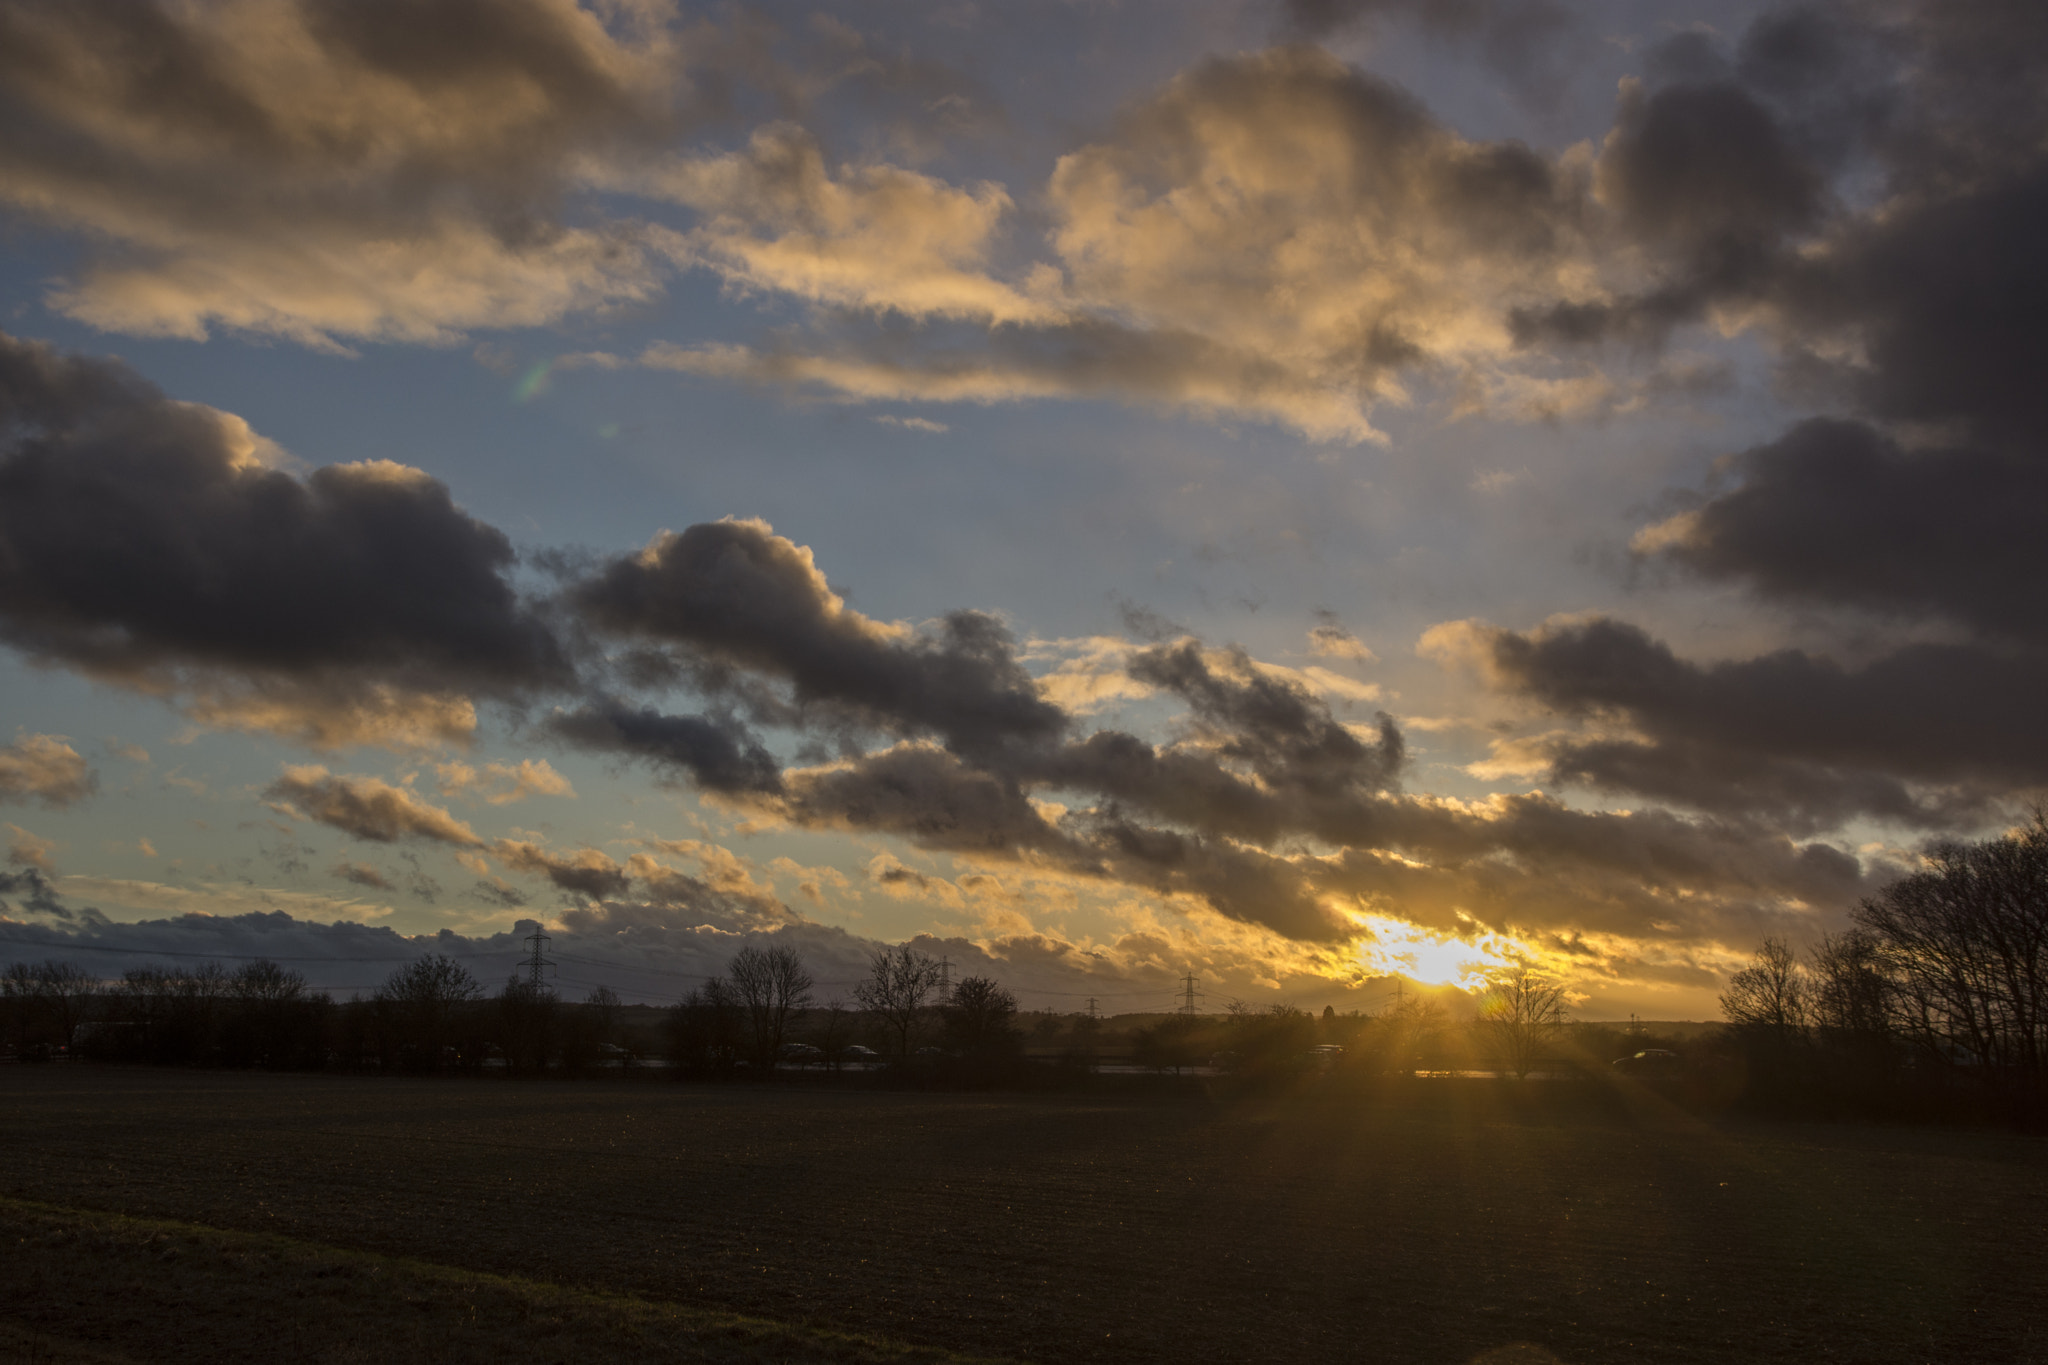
{"x":534,"y":381}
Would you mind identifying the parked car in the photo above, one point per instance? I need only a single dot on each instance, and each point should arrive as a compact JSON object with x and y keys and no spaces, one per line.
{"x":803,"y":1054}
{"x":854,"y":1052}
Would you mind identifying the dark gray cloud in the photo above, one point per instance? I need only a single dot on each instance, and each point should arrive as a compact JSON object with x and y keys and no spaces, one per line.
{"x":1837,"y":513}
{"x":1728,"y":172}
{"x":1274,"y":726}
{"x":32,"y":892}
{"x":145,"y":541}
{"x":1912,"y":303}
{"x":1705,"y":170}
{"x":718,"y":755}
{"x":1943,"y":293}
{"x":587,"y":872}
{"x":361,"y":874}
{"x":1789,"y":733}
{"x":736,"y":594}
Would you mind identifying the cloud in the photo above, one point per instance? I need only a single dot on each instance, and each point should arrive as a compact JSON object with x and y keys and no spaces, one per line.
{"x":502,"y":784}
{"x":366,"y":808}
{"x":1274,"y":235}
{"x":717,"y":753}
{"x":152,"y":544}
{"x":907,"y":883}
{"x":1905,"y":301}
{"x":361,"y":874}
{"x":1838,"y":514}
{"x":735,"y":599}
{"x":31,"y":851}
{"x":587,"y":872}
{"x":1361,"y":238}
{"x":873,"y":237}
{"x":31,"y":890}
{"x":133,"y":753}
{"x":1927,"y":734}
{"x":45,"y":768}
{"x":209,"y":900}
{"x":1530,"y":44}
{"x":310,"y":169}
{"x":924,"y":424}
{"x":1331,"y":641}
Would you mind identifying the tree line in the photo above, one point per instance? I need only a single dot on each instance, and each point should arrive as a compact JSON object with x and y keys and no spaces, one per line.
{"x":429,"y":1015}
{"x":1936,"y":997}
{"x":741,"y":1021}
{"x":432,"y":1015}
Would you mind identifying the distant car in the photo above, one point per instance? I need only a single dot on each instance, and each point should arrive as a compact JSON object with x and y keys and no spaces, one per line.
{"x":1649,"y":1059}
{"x":854,"y":1052}
{"x":803,"y":1054}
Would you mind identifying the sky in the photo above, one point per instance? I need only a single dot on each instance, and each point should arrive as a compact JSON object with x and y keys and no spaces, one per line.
{"x":1296,"y":495}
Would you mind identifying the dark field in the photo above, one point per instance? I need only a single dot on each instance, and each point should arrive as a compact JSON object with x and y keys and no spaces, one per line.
{"x":344,"y":1219}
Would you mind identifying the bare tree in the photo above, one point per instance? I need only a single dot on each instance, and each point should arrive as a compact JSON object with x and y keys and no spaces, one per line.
{"x":1965,"y":946}
{"x":603,"y":1006}
{"x":1850,"y":995}
{"x":833,"y":1031}
{"x":771,"y":985}
{"x":1769,"y":998}
{"x":703,"y":1030}
{"x":529,"y":1025}
{"x":48,"y":1000}
{"x":421,"y":999}
{"x":267,"y":981}
{"x":900,"y":981}
{"x":266,"y":999}
{"x":980,"y":1018}
{"x":1521,"y":1016}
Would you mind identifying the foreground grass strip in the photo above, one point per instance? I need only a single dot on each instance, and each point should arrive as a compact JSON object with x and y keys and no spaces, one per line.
{"x":80,"y":1285}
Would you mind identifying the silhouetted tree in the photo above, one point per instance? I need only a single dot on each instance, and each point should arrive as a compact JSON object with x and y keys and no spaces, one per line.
{"x":172,"y":1015}
{"x":1769,"y":997}
{"x":900,"y":983}
{"x":528,"y":1025}
{"x":980,"y":1019}
{"x":1268,"y":1044}
{"x":1409,"y":1037}
{"x":271,"y":1017}
{"x":418,"y":1003}
{"x":834,"y":1031}
{"x":1767,"y":1007}
{"x":603,"y":1005}
{"x":1850,"y":1006}
{"x":1169,"y":1044}
{"x":1522,"y":1015}
{"x":770,"y":985}
{"x":45,"y":1003}
{"x":703,"y":1030}
{"x":1964,"y":949}
{"x":587,"y":1029}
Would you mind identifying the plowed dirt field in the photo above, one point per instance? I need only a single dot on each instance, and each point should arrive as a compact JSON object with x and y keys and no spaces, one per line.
{"x":1040,"y":1228}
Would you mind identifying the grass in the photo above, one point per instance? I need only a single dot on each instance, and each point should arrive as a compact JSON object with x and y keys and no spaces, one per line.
{"x":1448,"y":1222}
{"x":93,"y":1286}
